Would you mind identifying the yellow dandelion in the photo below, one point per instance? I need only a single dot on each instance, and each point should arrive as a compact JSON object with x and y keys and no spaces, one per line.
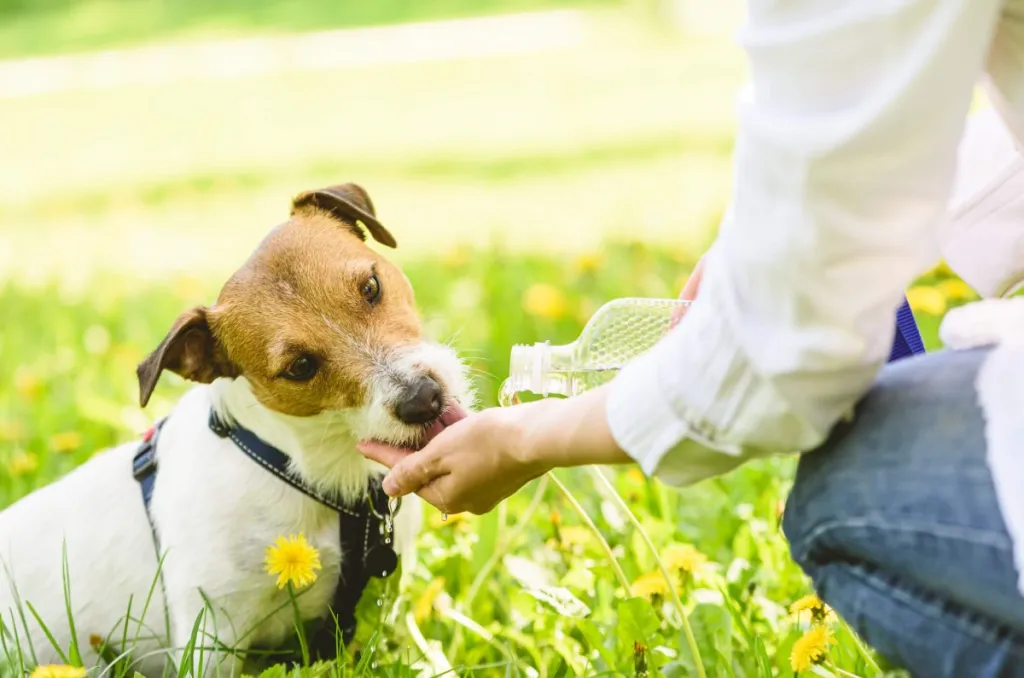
{"x":555,"y":517}
{"x":439,"y":520}
{"x":683,"y":558}
{"x":10,"y":430}
{"x":574,"y":536}
{"x":589,"y":262}
{"x":926,"y":300}
{"x":941,"y":270}
{"x":22,"y":463}
{"x":66,"y":442}
{"x":27,"y":383}
{"x":651,"y":586}
{"x":58,"y":671}
{"x":544,"y":301}
{"x":811,"y":648}
{"x":455,"y":257}
{"x":810,"y":602}
{"x":956,"y":289}
{"x":293,"y":560}
{"x":636,"y":475}
{"x":425,"y":603}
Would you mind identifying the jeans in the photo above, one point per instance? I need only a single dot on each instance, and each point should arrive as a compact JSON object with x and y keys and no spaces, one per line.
{"x":895,"y":520}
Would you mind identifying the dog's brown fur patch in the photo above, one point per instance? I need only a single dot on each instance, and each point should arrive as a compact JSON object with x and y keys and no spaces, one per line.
{"x":300,"y":293}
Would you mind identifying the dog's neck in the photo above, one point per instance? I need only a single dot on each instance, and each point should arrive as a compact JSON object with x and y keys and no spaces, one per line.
{"x":321,"y":448}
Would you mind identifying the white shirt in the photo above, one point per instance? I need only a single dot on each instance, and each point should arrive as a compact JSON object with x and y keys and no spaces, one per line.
{"x":851,"y":132}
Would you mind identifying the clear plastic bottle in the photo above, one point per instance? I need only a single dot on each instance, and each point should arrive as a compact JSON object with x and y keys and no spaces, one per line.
{"x":618,"y":332}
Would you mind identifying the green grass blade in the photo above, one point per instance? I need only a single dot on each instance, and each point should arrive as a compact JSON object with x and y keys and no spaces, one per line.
{"x":46,"y":632}
{"x":74,"y":655}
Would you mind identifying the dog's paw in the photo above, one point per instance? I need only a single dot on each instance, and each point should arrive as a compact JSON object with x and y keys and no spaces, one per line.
{"x":984,"y":323}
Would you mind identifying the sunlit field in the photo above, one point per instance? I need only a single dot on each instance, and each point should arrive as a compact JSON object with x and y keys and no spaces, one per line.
{"x":525,"y":190}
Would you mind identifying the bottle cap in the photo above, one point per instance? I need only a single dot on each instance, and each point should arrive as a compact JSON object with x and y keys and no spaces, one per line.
{"x":528,"y":366}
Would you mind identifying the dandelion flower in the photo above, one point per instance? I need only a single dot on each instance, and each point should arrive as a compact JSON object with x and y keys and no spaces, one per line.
{"x":544,"y":301}
{"x":574,"y":536}
{"x":813,"y":604}
{"x":58,"y":671}
{"x":636,"y":475}
{"x":22,"y":463}
{"x":425,"y":603}
{"x":293,"y":560}
{"x":650,"y":586}
{"x":66,"y":442}
{"x":683,"y":558}
{"x":811,"y":648}
{"x":956,"y":289}
{"x":810,"y":602}
{"x":926,"y":300}
{"x":588,"y":262}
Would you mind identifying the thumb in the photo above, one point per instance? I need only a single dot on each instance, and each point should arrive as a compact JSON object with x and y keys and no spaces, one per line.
{"x":382,"y":453}
{"x":689,"y":293}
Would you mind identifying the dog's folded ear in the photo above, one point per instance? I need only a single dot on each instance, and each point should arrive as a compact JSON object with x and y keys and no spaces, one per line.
{"x":351,"y":205}
{"x":189,"y":350}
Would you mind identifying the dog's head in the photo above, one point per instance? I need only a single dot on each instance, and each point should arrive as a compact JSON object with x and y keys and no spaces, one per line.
{"x":317,"y":322}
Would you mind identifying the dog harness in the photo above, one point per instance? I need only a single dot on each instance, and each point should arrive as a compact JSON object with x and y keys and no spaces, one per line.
{"x":362,"y":525}
{"x":907,"y":341}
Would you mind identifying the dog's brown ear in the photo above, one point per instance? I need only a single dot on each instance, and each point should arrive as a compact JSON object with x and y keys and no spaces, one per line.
{"x":189,"y":350}
{"x":349,"y":204}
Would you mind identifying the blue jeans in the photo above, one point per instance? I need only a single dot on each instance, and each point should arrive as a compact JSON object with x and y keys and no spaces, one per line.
{"x":895,"y":520}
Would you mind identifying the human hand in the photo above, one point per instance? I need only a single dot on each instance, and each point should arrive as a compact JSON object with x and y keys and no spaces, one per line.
{"x":689,"y":293}
{"x":477,"y":462}
{"x":471,"y":465}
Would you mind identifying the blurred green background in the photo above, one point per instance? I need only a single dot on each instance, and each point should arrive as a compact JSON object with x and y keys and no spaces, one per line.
{"x":531,"y":166}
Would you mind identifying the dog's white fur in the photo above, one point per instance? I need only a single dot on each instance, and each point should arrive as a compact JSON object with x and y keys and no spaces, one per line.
{"x":215,"y":512}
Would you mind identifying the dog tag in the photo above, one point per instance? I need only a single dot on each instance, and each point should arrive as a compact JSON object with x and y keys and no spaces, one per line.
{"x":381,"y":561}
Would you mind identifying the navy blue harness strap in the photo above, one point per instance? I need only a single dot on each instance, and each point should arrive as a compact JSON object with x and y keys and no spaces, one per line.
{"x":907,"y":340}
{"x":272,"y":459}
{"x":368,"y":552}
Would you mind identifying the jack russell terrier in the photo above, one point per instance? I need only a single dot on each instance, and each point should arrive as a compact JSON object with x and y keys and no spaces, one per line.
{"x":312,"y":346}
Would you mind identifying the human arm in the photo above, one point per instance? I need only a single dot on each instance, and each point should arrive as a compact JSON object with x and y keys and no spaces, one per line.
{"x":844,"y":164}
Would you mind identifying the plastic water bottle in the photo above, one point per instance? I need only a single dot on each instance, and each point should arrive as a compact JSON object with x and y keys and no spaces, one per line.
{"x":618,"y":332}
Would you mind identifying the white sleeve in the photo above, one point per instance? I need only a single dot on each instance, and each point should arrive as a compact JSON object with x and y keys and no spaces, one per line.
{"x":843,"y":169}
{"x":983,"y":242}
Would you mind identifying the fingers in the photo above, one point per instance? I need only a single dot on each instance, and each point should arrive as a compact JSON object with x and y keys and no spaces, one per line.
{"x":410,"y":474}
{"x":444,"y":495}
{"x":388,"y":455}
{"x":689,"y":293}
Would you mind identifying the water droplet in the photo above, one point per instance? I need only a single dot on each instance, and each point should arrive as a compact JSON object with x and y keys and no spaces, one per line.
{"x":380,"y":602}
{"x":373,"y":665}
{"x":384,"y":573}
{"x":387,"y":540}
{"x":506,"y":396}
{"x":444,"y":516}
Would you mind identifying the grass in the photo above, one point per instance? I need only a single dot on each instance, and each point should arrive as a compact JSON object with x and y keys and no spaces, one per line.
{"x":551,"y":559}
{"x":525,"y":191}
{"x":44,"y":27}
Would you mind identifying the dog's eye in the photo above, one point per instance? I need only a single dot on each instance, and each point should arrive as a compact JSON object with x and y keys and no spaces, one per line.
{"x":302,"y":368}
{"x":371,"y":289}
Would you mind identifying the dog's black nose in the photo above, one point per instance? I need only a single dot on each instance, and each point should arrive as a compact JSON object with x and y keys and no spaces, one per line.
{"x":421,"y":402}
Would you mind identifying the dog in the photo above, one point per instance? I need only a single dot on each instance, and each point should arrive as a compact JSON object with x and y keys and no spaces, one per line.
{"x":313,"y":345}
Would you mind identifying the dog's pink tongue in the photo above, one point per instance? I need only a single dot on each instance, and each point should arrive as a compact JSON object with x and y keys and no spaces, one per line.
{"x":454,"y":413}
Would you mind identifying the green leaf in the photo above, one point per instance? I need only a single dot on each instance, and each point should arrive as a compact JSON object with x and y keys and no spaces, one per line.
{"x":597,"y":641}
{"x":275,"y":671}
{"x":637,"y":622}
{"x":529,"y":574}
{"x":579,"y":578}
{"x":561,"y":600}
{"x":488,"y":532}
{"x":764,"y":664}
{"x":712,"y":627}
